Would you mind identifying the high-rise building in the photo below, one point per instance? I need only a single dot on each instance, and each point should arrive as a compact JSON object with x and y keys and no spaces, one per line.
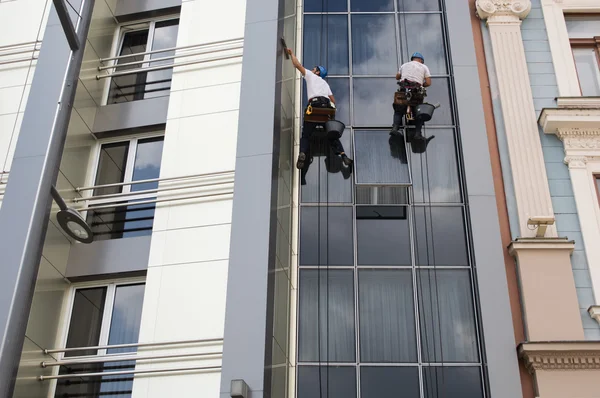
{"x":157,"y":239}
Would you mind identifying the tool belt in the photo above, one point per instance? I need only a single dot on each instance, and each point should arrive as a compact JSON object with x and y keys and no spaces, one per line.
{"x":319,"y":110}
{"x":409,"y":94}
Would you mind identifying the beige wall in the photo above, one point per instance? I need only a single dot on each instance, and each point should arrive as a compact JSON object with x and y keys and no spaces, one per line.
{"x":568,"y":383}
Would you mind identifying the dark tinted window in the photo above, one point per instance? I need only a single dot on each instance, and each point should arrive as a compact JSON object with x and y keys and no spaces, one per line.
{"x":371,"y":5}
{"x":373,"y":98}
{"x":387,"y":317}
{"x":375,"y":162}
{"x":440,"y":236}
{"x":426,"y":41}
{"x":383,"y":236}
{"x":335,"y":382}
{"x":86,"y":320}
{"x":326,"y":43}
{"x":333,"y":240}
{"x":451,"y":382}
{"x":329,"y":309}
{"x":447,"y":318}
{"x":418,"y":5}
{"x":380,"y":381}
{"x":374,"y":45}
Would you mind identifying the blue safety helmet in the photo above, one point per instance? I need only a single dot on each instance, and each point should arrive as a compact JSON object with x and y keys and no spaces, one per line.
{"x":322,"y":71}
{"x":417,"y":55}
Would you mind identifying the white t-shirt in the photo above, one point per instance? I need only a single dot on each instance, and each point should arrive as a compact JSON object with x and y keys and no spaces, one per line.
{"x":315,"y":86}
{"x":414,"y":71}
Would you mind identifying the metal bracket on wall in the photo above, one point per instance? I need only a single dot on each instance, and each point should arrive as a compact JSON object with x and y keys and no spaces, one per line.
{"x":67,"y":25}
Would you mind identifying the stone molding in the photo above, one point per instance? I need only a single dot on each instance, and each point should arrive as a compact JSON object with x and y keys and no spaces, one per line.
{"x":505,"y":10}
{"x":560,"y":356}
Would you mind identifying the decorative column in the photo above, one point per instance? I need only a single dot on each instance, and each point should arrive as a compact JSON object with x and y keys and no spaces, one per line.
{"x":525,"y":151}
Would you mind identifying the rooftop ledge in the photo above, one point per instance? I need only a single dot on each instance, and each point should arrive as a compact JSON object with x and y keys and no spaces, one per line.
{"x":581,"y":113}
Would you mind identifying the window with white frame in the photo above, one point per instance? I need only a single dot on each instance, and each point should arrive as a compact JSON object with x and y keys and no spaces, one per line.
{"x":101,"y":315}
{"x":123,"y":168}
{"x":584,"y":36}
{"x":139,"y":47}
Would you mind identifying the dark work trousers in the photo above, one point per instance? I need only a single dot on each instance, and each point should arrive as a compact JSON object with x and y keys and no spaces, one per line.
{"x":307,"y":129}
{"x":400,"y":111}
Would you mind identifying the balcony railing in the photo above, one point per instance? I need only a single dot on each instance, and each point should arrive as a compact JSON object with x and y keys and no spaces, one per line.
{"x":138,"y":75}
{"x":128,"y":214}
{"x":19,"y":53}
{"x":113,"y":374}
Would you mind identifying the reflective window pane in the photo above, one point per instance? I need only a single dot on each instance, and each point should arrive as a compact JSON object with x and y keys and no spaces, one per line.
{"x":126,"y":317}
{"x":86,"y":320}
{"x":327,"y":176}
{"x":381,"y":195}
{"x":447,"y":317}
{"x":329,"y":309}
{"x":340,"y":87}
{"x":371,"y":5}
{"x":440,"y":236}
{"x":335,"y":382}
{"x":582,"y":27}
{"x":140,"y":218}
{"x":327,"y":6}
{"x":158,"y":83}
{"x":335,"y":235}
{"x":386,"y":313}
{"x":435,"y":172}
{"x":111,"y":167}
{"x":451,"y":382}
{"x":418,"y":5}
{"x":374,"y":45}
{"x":588,"y":71}
{"x":380,"y":381}
{"x":439,"y":92}
{"x":375,"y":163}
{"x":326,"y":43}
{"x":383,"y":236}
{"x":429,"y":42}
{"x":130,"y":87}
{"x":373,"y":99}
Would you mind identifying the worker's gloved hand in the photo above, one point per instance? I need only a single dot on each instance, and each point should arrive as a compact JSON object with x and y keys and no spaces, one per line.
{"x":333,"y":105}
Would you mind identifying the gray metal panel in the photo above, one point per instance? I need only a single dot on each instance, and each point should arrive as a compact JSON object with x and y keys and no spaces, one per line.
{"x":501,"y":357}
{"x":252,"y":253}
{"x":106,"y":257}
{"x":27,"y":202}
{"x":135,"y":115}
{"x":150,"y":7}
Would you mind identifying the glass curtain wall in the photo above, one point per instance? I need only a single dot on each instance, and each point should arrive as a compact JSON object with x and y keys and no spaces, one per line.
{"x":387,"y":304}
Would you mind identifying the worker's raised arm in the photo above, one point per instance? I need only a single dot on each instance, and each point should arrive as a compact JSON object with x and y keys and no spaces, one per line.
{"x":296,"y":63}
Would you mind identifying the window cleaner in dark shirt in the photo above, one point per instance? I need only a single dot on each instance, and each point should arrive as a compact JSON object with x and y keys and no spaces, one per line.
{"x":316,"y":88}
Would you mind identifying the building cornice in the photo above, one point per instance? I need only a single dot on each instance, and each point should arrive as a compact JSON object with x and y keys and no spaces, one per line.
{"x":578,"y":355}
{"x":503,"y":11}
{"x":594,"y":312}
{"x":522,"y":244}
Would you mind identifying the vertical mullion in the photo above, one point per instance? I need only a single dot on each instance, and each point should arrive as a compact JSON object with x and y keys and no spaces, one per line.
{"x":130,"y":164}
{"x":106,"y":317}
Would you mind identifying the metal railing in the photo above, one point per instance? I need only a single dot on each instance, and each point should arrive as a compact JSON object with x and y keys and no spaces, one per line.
{"x":17,"y":49}
{"x":207,"y":180}
{"x":116,"y":214}
{"x":182,"y":52}
{"x":128,"y":357}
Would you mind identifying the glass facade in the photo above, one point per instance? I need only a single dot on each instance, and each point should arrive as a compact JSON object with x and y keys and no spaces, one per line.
{"x":387,"y":303}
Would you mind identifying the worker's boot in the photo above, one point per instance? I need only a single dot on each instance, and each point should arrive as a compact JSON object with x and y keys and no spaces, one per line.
{"x":347,"y":161}
{"x":395,"y":132}
{"x":301,"y":160}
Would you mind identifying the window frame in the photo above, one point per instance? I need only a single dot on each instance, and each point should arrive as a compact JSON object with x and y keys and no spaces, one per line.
{"x":118,"y":37}
{"x":94,"y":164}
{"x":111,"y":285}
{"x":97,"y":150}
{"x":589,"y":43}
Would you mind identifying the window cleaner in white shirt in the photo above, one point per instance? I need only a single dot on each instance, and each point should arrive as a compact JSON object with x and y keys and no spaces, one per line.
{"x":316,"y":89}
{"x":412,"y":75}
